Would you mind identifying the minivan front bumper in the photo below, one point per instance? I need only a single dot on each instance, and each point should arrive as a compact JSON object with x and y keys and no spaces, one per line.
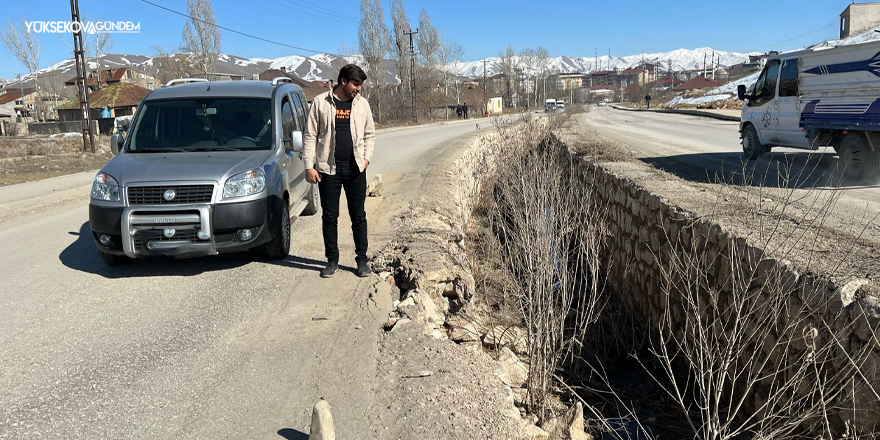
{"x":180,"y":230}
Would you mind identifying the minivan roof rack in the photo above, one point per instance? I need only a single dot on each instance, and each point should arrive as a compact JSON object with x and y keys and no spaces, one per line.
{"x":281,"y":79}
{"x":184,"y":80}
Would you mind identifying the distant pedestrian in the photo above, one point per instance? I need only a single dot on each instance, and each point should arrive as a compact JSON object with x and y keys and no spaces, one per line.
{"x":648,"y":102}
{"x":458,"y":111}
{"x":464,"y":108}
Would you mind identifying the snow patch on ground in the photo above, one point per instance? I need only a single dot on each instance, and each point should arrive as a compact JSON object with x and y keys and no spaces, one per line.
{"x":731,"y":87}
{"x":64,"y":135}
{"x":700,"y":100}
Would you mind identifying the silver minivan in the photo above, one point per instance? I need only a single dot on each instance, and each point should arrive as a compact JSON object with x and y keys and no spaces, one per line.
{"x":205,"y":168}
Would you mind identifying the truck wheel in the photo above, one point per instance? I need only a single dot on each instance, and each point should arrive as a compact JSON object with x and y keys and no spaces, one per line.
{"x":313,"y":199}
{"x":279,"y":247}
{"x":857,"y":158}
{"x":113,"y":259}
{"x":752,"y":147}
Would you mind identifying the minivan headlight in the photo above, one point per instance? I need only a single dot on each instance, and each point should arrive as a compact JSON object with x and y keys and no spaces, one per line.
{"x":105,"y":188}
{"x":245,"y":184}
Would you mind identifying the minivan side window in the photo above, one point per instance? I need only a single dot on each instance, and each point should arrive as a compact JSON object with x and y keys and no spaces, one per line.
{"x":765,"y":88}
{"x":788,"y":82}
{"x":300,"y":109}
{"x":288,"y":123}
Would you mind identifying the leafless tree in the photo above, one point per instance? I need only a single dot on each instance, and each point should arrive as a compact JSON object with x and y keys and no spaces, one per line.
{"x":542,"y":65}
{"x":374,"y":42}
{"x":201,"y":36}
{"x":97,"y":46}
{"x":449,"y":55}
{"x":428,"y":76}
{"x":170,"y":66}
{"x":26,"y":48}
{"x":509,"y":65}
{"x":401,"y":55}
{"x":529,"y":64}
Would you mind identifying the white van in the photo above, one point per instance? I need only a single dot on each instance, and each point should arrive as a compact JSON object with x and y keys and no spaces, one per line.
{"x":824,"y":97}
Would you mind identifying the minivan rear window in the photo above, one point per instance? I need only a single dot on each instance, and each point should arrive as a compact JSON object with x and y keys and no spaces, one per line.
{"x":203,"y":124}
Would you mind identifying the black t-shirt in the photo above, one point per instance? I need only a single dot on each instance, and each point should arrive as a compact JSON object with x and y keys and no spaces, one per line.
{"x":344,"y":148}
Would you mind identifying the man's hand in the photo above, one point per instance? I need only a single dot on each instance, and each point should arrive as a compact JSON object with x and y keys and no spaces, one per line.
{"x":366,"y":163}
{"x":312,"y":176}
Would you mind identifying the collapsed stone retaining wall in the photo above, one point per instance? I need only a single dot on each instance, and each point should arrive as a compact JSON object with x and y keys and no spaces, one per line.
{"x":641,"y":223}
{"x":644,"y":227}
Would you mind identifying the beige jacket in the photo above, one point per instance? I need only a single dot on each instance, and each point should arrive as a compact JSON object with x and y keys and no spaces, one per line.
{"x":320,"y":135}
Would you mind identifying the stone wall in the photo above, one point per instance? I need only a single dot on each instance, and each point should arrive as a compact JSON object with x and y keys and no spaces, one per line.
{"x":647,"y":231}
{"x":59,"y":127}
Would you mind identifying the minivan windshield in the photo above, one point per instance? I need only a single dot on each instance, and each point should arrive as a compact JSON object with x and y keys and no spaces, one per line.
{"x":203,"y":124}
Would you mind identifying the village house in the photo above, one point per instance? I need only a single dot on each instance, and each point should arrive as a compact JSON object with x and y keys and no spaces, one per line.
{"x":697,"y":83}
{"x":120,"y":99}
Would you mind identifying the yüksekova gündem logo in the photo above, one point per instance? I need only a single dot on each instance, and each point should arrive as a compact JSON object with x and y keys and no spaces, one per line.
{"x":87,"y":27}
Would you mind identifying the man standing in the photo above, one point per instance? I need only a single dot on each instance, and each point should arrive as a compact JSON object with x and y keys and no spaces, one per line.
{"x":648,"y":102}
{"x":339,"y":141}
{"x":465,"y":110}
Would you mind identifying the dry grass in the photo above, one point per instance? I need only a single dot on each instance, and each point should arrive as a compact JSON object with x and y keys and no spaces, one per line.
{"x":30,"y":158}
{"x":746,"y":354}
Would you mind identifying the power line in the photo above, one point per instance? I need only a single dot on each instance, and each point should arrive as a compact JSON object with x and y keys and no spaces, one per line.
{"x":800,"y":36}
{"x":235,"y":31}
{"x":322,"y":9}
{"x":349,"y":23}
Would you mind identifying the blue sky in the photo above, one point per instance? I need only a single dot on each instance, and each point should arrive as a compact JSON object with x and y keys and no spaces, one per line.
{"x":481,"y":27}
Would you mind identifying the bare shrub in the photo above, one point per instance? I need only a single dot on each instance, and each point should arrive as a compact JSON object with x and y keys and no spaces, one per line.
{"x":745,"y":344}
{"x":550,"y":231}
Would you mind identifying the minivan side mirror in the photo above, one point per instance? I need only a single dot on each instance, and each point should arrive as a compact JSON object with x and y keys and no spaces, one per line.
{"x":116,"y":141}
{"x":741,"y":92}
{"x":294,"y":142}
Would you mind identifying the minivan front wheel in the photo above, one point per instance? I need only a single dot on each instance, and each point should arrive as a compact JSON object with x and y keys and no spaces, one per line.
{"x":752,"y":147}
{"x":279,"y":246}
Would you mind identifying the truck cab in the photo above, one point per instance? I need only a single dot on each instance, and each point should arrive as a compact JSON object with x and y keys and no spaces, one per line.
{"x":550,"y":105}
{"x":814,"y":98}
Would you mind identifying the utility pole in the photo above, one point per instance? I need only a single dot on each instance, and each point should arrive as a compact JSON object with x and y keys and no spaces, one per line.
{"x":704,"y":65}
{"x":82,"y":89}
{"x":21,"y":96}
{"x":485,"y":93}
{"x":412,"y":71}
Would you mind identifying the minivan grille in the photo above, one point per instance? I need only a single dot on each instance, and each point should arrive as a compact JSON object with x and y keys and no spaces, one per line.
{"x":153,"y":195}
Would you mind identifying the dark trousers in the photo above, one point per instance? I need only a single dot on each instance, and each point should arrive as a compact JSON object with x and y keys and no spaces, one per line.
{"x":354,"y":182}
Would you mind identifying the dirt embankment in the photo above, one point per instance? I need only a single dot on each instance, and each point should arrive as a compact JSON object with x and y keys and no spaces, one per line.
{"x":31,"y":158}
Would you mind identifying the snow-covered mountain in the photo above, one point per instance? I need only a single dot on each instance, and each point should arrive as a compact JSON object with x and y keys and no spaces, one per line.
{"x":681,"y":59}
{"x":324,"y":66}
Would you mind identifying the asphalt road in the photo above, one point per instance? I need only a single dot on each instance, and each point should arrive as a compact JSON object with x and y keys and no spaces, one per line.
{"x":705,"y":150}
{"x":215,"y":347}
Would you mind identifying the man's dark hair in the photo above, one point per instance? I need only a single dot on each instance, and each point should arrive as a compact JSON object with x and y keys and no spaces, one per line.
{"x":351,"y":72}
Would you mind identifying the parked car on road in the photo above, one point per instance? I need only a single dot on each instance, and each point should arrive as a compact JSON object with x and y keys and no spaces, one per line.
{"x":205,"y":168}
